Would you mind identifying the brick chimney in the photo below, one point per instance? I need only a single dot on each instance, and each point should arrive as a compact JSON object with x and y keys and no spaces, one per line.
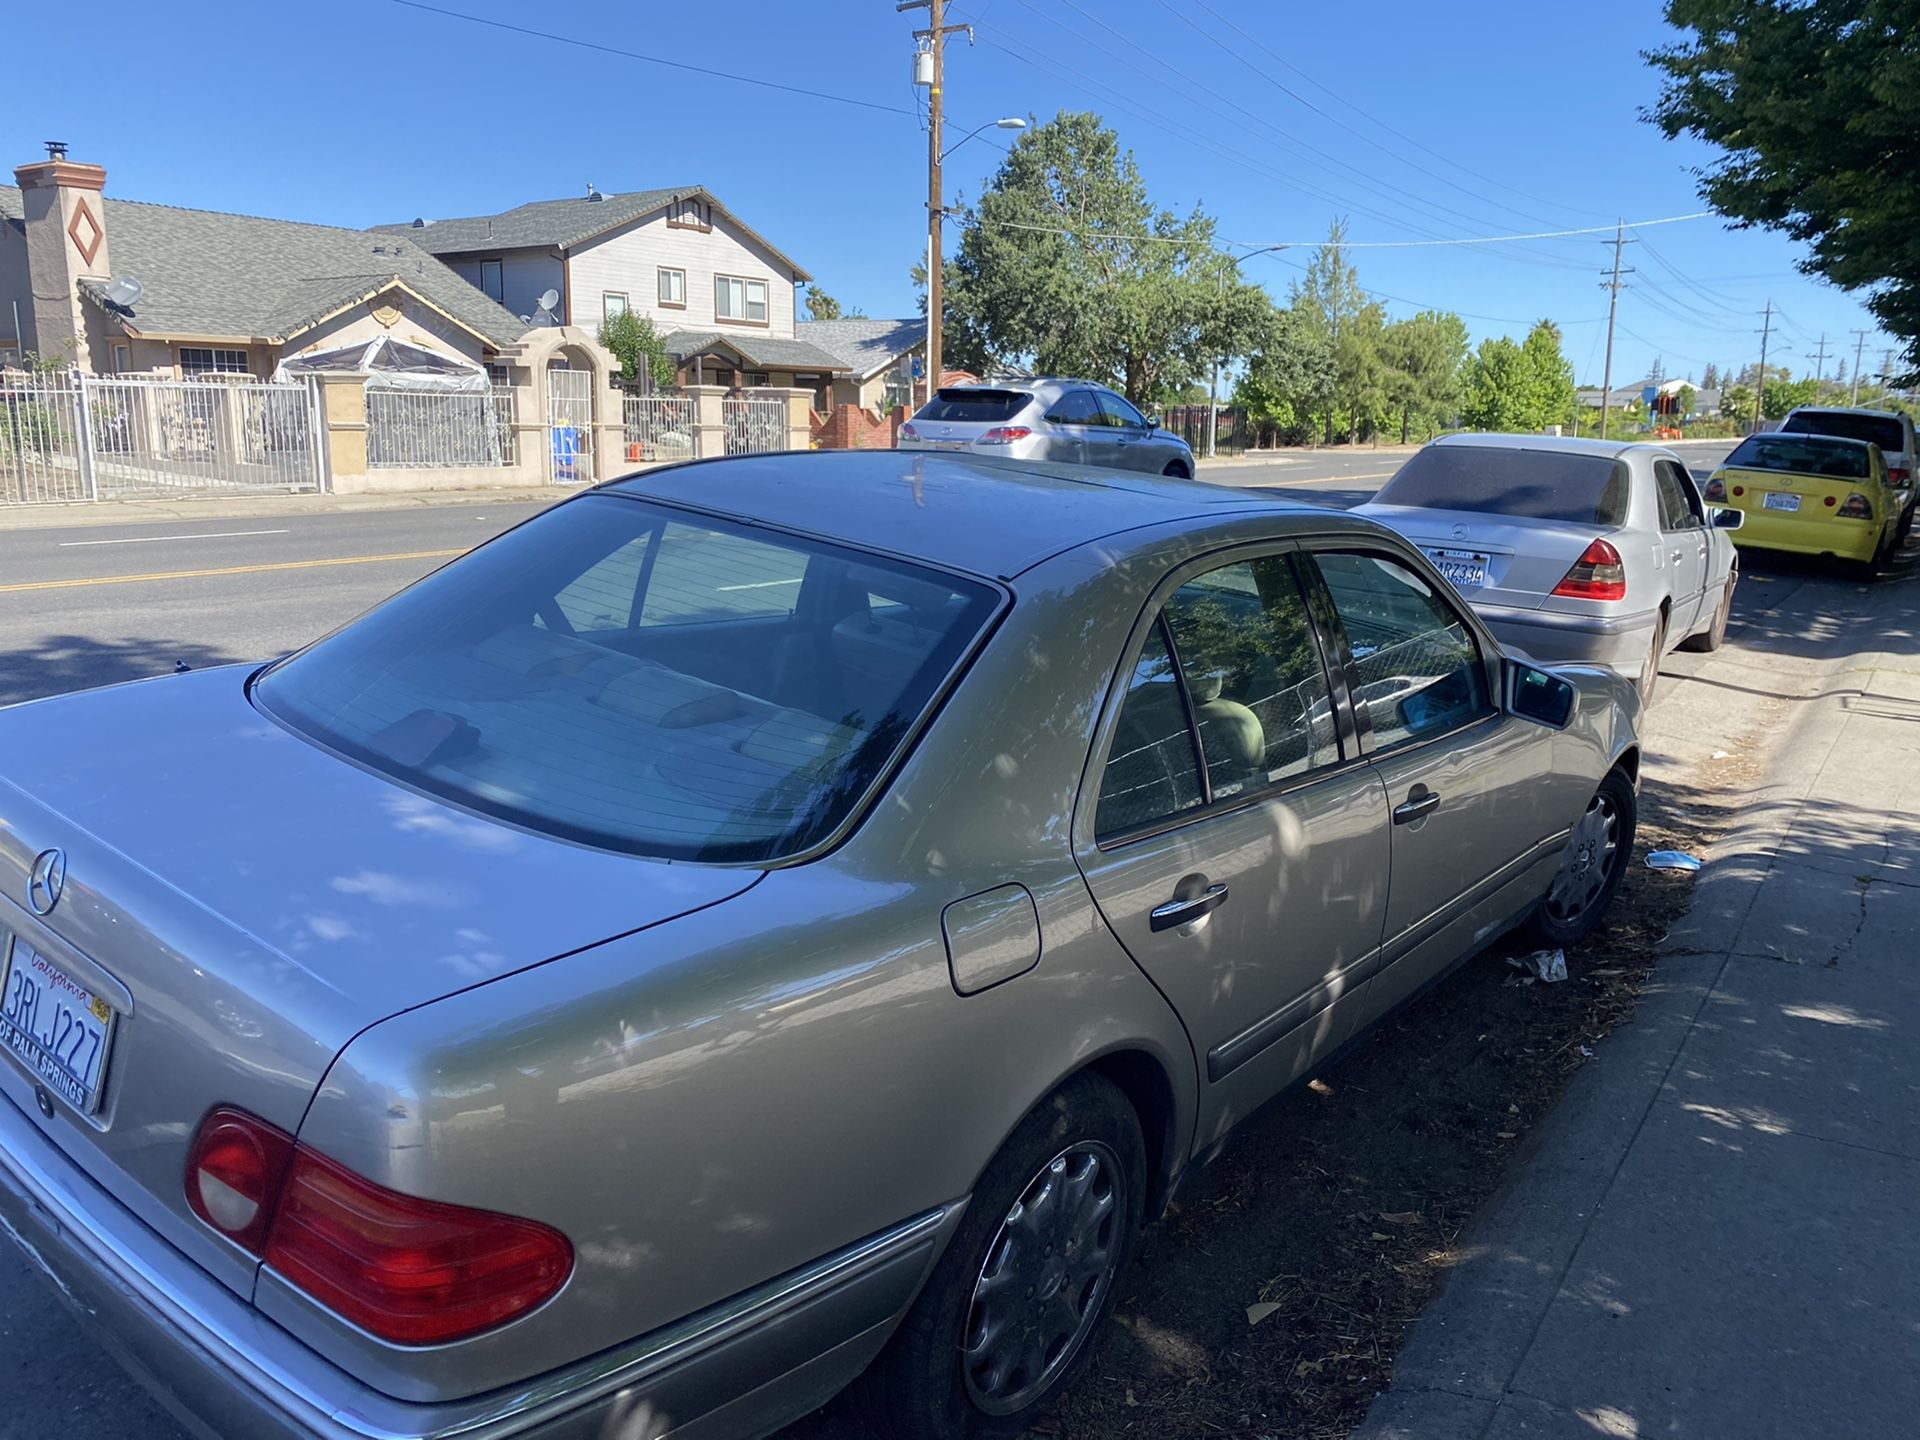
{"x":66,"y":243}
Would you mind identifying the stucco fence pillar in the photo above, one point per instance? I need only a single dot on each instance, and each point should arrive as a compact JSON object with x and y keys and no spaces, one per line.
{"x":709,"y":422}
{"x":343,"y":420}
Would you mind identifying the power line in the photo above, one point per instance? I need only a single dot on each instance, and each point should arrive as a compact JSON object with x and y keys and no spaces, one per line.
{"x":1464,"y":314}
{"x":1377,"y":244}
{"x":651,"y":59}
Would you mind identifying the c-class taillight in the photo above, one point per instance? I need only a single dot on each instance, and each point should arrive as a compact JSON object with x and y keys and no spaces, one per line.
{"x":412,"y":1271}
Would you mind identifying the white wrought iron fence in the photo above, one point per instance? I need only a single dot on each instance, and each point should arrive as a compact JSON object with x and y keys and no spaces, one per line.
{"x":660,"y":427}
{"x":419,"y":429}
{"x":754,"y":424}
{"x":72,"y":436}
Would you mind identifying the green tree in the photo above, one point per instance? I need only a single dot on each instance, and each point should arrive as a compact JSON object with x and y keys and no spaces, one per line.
{"x":1549,"y":378}
{"x":1053,"y":271}
{"x":632,"y":340}
{"x":1710,"y":377}
{"x":820,"y":305}
{"x":1426,"y":357}
{"x":1736,"y":401}
{"x":1290,"y":377}
{"x":1685,"y":397}
{"x":1814,"y":105}
{"x":1783,"y":394}
{"x":1330,"y":299}
{"x":1498,"y":386}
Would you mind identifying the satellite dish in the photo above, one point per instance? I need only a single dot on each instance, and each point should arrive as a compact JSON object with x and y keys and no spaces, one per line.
{"x":549,"y":299}
{"x":125,"y":291}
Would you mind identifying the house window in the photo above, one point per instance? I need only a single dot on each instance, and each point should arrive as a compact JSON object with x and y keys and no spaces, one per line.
{"x":122,"y":360}
{"x":673,"y":289}
{"x":612,"y":303}
{"x":754,"y":378}
{"x":743,"y":301}
{"x":195,"y":361}
{"x":493,"y":279}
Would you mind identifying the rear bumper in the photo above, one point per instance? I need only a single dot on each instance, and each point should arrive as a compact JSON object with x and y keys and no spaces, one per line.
{"x":1619,"y":642}
{"x":1845,"y":539}
{"x":738,"y":1370}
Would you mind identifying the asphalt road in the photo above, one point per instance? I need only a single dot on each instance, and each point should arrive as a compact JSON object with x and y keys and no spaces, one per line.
{"x":92,"y":604}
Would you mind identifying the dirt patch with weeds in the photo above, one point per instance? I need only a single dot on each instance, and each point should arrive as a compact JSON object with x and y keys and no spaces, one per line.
{"x":1271,"y":1299}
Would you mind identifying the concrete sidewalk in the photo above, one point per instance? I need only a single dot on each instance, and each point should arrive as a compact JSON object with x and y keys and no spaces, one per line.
{"x":1715,"y":1236}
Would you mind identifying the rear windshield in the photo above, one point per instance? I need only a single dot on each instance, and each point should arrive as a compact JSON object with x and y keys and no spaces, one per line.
{"x":1802,"y":455}
{"x":642,"y":679}
{"x":1882,"y":430}
{"x":985,"y":407}
{"x":1526,"y":484}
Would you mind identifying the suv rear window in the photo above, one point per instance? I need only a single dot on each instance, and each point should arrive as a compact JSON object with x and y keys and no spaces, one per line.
{"x":1526,"y":484}
{"x":1801,"y":455}
{"x":1882,"y":430}
{"x":981,"y":407}
{"x":641,"y":679}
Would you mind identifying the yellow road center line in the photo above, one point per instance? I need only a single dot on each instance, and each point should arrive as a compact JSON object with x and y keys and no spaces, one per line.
{"x":229,"y":570}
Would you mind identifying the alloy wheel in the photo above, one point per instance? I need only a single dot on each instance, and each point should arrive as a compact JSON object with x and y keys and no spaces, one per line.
{"x":1044,"y":1278}
{"x":1593,"y":852}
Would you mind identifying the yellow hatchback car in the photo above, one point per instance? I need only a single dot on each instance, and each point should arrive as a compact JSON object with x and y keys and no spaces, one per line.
{"x":1812,"y":495}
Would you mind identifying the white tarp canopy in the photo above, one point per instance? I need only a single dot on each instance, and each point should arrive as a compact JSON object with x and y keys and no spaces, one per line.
{"x":391,"y":364}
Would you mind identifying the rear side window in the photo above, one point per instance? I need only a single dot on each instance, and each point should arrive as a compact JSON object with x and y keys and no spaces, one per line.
{"x":620,"y":674}
{"x":1802,"y":455}
{"x":1882,"y":430}
{"x":1526,"y":484}
{"x":1416,"y":666}
{"x":982,"y":407}
{"x":1151,"y":772}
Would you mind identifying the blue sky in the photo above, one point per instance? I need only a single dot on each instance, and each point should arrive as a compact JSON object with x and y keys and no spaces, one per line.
{"x":1414,"y":120}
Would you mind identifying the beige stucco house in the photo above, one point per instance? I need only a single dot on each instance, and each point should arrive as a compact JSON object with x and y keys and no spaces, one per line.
{"x":879,"y":356}
{"x":720,"y":294}
{"x":217,"y":293}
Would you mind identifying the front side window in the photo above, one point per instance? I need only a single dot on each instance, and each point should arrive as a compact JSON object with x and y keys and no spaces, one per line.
{"x":624,"y":675}
{"x":1116,"y":411}
{"x":1252,"y":668}
{"x":673,"y":289}
{"x":1677,"y":507}
{"x":738,"y":299}
{"x":1416,"y":666}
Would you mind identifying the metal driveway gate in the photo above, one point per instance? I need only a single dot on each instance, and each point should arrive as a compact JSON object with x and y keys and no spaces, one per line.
{"x":570,"y":426}
{"x":73,"y":436}
{"x":754,"y":424}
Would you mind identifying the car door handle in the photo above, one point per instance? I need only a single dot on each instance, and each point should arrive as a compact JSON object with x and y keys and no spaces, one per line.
{"x":1184,"y":912}
{"x":1420,"y":802}
{"x":1676,"y":556}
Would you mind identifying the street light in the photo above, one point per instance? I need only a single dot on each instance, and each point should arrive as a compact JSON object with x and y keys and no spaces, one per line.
{"x":1005,"y":122}
{"x":1213,"y":391}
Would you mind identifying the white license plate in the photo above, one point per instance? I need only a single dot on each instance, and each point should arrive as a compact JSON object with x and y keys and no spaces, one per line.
{"x":57,"y":1027}
{"x":1464,"y":569}
{"x":1774,"y":500}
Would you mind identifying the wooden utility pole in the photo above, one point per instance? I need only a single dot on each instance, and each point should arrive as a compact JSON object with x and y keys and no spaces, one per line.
{"x":1760,"y":385}
{"x":936,"y":37}
{"x":1820,"y":362}
{"x":1859,"y":345}
{"x":1613,"y":287}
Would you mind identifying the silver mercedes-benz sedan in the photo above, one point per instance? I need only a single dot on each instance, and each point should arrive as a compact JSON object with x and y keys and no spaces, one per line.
{"x":1071,"y":422}
{"x":1573,"y":551}
{"x":754,"y":924}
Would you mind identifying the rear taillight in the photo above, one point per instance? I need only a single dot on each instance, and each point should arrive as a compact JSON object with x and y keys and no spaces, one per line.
{"x":1897,"y":476}
{"x":907,"y":432}
{"x":1596,"y":575}
{"x":411,"y":1271}
{"x":1005,"y":434}
{"x":234,"y":1174}
{"x":1855,"y":507}
{"x":1716,"y":490}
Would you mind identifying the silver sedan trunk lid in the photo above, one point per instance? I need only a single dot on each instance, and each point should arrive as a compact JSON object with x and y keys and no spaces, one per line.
{"x":251,"y":902}
{"x":1525,"y":558}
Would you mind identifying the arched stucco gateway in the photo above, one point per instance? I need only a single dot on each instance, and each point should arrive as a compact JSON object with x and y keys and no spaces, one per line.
{"x":569,"y":376}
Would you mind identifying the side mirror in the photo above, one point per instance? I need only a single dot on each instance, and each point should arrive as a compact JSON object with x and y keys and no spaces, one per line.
{"x":1727,"y":518}
{"x":1539,"y":695}
{"x":1152,"y":422}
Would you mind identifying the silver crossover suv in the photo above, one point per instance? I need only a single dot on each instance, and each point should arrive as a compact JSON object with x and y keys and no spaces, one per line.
{"x":1073,"y":422}
{"x":756,"y":923}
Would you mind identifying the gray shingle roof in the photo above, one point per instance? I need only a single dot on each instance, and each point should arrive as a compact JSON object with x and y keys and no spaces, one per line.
{"x":864,"y":346}
{"x":767,"y":351}
{"x":560,"y":223}
{"x":208,"y":273}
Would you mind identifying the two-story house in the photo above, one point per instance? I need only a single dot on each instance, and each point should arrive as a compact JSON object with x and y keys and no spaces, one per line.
{"x":721,"y":296}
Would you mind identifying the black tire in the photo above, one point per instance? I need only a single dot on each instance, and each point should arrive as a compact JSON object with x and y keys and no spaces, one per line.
{"x":1649,"y":679}
{"x":1715,"y":635}
{"x":1177,"y":470}
{"x":923,"y":1387}
{"x":1569,"y":915}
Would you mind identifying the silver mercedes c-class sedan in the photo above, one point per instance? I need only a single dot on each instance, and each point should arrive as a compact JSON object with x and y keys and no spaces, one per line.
{"x":1069,"y":422}
{"x":1574,"y":551}
{"x":756,"y":925}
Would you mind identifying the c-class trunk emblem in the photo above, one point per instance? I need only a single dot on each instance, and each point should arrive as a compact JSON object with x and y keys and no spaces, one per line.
{"x":46,"y":880}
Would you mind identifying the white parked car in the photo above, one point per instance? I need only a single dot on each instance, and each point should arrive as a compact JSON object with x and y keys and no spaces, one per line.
{"x":1573,"y":551}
